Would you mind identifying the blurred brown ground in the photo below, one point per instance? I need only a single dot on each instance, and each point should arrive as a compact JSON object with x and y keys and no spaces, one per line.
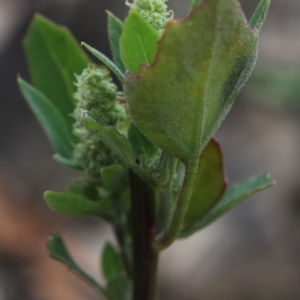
{"x":250,"y":254}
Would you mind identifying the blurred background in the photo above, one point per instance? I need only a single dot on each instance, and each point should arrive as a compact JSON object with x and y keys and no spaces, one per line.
{"x":253,"y":253}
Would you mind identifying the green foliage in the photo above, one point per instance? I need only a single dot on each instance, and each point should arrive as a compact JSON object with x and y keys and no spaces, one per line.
{"x":209,"y":185}
{"x":71,"y":204}
{"x":50,"y":118}
{"x":115,"y":29}
{"x":138,"y":42}
{"x":260,"y":14}
{"x":189,"y":89}
{"x":54,"y":58}
{"x":111,"y":263}
{"x":233,"y":196}
{"x":147,"y":158}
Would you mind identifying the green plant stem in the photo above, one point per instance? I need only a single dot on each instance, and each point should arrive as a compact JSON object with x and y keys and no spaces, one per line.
{"x":168,"y":236}
{"x":145,"y":258}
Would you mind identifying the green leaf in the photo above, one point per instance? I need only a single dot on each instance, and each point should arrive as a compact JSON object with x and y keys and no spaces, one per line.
{"x":194,"y":4}
{"x":138,"y":42}
{"x":116,"y":142}
{"x":105,"y":60}
{"x":209,"y":184}
{"x":66,"y":162}
{"x":114,"y":177}
{"x":142,"y":146}
{"x":50,"y":118}
{"x":115,"y":28}
{"x":58,"y":251}
{"x":233,"y":196}
{"x":112,"y":138}
{"x":54,"y":58}
{"x":120,"y":288}
{"x":260,"y":14}
{"x":76,"y":205}
{"x":201,"y":65}
{"x":111,"y":263}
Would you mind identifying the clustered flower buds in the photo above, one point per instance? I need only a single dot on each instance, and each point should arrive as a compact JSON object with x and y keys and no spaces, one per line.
{"x":154,"y":11}
{"x":96,"y":93}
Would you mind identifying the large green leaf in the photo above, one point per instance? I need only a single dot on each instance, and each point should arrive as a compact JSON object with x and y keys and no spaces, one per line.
{"x":209,"y":184}
{"x":111,"y":263}
{"x":202,"y":63}
{"x":50,"y":118}
{"x":138,"y":42}
{"x":115,"y":28}
{"x":54,"y":58}
{"x":76,"y":205}
{"x":233,"y":196}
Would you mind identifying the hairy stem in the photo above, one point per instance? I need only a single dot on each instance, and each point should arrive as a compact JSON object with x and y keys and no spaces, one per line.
{"x":145,"y":258}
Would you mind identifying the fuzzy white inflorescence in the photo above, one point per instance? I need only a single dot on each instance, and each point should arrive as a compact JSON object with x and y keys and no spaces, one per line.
{"x":154,"y":11}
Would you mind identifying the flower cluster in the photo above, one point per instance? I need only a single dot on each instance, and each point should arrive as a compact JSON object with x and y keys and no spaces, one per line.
{"x":98,"y":94}
{"x":154,"y":11}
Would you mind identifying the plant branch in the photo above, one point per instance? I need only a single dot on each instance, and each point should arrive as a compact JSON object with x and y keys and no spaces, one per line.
{"x":144,"y":256}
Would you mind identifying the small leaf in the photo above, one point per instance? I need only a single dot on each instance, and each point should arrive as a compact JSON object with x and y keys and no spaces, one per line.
{"x":66,"y":162}
{"x":195,"y":3}
{"x":111,"y":263}
{"x":58,"y":251}
{"x":116,"y":142}
{"x":260,"y":14}
{"x":115,"y":28}
{"x":120,"y":288}
{"x":114,"y":177}
{"x":138,"y":42}
{"x":50,"y":118}
{"x":54,"y":58}
{"x":209,"y":184}
{"x":112,"y":138}
{"x":233,"y":196}
{"x":77,"y":206}
{"x":104,"y":59}
{"x":142,"y":146}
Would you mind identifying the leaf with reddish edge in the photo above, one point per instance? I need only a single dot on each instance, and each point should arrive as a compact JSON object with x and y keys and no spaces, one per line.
{"x":179,"y":101}
{"x":210,"y":183}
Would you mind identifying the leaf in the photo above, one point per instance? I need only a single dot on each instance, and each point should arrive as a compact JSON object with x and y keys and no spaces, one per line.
{"x":50,"y":118}
{"x":195,"y":3}
{"x":114,"y":177}
{"x":260,"y":14}
{"x":202,"y":63}
{"x":209,"y":184}
{"x":138,"y":42}
{"x":142,"y":147}
{"x":116,"y":142}
{"x":76,"y":205}
{"x":66,"y":162}
{"x":54,"y":58}
{"x":115,"y":28}
{"x":57,"y":249}
{"x":120,"y":288}
{"x":105,"y":60}
{"x":233,"y":196}
{"x":112,"y":138}
{"x":111,"y":263}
